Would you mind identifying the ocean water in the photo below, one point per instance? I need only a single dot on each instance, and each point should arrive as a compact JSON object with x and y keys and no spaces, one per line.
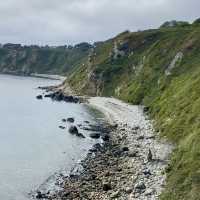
{"x":32,"y":147}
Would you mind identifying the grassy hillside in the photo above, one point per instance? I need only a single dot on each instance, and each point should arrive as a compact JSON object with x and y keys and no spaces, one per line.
{"x":34,"y":59}
{"x":160,"y":69}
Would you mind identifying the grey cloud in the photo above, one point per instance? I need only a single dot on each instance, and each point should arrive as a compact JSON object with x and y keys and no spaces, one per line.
{"x":57,"y":22}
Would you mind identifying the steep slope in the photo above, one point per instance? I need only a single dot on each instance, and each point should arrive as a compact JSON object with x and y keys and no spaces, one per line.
{"x":160,"y":69}
{"x":18,"y":59}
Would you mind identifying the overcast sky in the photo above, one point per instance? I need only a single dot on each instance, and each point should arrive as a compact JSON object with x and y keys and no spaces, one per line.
{"x":58,"y":22}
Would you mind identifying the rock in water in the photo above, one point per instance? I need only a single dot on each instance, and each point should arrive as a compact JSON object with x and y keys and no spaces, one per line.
{"x":95,"y":135}
{"x":39,"y":97}
{"x":70,"y":119}
{"x":61,"y":127}
{"x":80,"y":135}
{"x":73,"y":130}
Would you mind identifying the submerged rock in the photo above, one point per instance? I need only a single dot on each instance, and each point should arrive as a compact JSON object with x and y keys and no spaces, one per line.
{"x":70,"y":119}
{"x":61,"y":127}
{"x":74,"y":131}
{"x":39,"y":97}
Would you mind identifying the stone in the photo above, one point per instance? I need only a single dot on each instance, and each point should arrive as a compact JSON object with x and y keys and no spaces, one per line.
{"x":140,"y":186}
{"x":128,"y":190}
{"x":105,"y":137}
{"x":95,"y":135}
{"x":80,"y":135}
{"x":146,"y":109}
{"x":125,"y":149}
{"x":73,"y":130}
{"x":39,"y":195}
{"x":146,"y":172}
{"x":136,"y":128}
{"x":61,"y":127}
{"x":64,"y":120}
{"x":70,"y":119}
{"x":106,"y":186}
{"x":39,"y":97}
{"x":141,"y":137}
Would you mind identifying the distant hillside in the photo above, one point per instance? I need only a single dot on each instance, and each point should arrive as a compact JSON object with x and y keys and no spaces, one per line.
{"x":161,"y":69}
{"x":18,"y":59}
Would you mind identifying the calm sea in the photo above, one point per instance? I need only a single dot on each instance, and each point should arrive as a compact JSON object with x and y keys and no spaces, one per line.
{"x":32,"y":147}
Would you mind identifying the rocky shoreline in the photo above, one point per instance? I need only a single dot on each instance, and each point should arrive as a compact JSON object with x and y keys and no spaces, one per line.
{"x":129,"y":165}
{"x":56,"y":94}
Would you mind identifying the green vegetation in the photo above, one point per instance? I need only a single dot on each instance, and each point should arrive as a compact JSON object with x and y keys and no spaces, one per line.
{"x":25,"y":60}
{"x":160,"y":69}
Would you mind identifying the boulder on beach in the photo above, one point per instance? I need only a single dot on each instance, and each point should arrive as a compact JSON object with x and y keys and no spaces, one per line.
{"x":106,"y":186}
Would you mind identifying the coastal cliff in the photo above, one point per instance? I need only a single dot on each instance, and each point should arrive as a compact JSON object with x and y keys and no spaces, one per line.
{"x":25,"y":60}
{"x":160,"y":69}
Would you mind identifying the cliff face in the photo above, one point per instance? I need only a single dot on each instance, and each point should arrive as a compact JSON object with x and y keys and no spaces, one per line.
{"x":25,"y":60}
{"x":161,"y":69}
